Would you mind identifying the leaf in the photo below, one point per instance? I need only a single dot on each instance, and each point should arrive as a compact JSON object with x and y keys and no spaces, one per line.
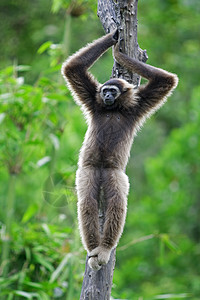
{"x":46,"y":229}
{"x":55,"y":141}
{"x":30,"y":212}
{"x":8,"y":71}
{"x":28,"y":253}
{"x":56,"y":5}
{"x":2,"y":116}
{"x":4,"y":282}
{"x":41,"y":260}
{"x":60,"y":268}
{"x":170,"y":244}
{"x":34,"y":284}
{"x":24,"y":294}
{"x":173,"y":296}
{"x":43,"y":296}
{"x":43,"y":161}
{"x":44,"y":47}
{"x":23,"y":68}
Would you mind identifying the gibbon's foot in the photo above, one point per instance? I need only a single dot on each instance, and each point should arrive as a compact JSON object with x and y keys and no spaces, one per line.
{"x":98,"y":257}
{"x":93,"y":263}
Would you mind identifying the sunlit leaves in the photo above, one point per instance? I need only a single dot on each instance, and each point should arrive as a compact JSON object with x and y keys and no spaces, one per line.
{"x":44,"y":47}
{"x":75,"y":8}
{"x":29,"y":117}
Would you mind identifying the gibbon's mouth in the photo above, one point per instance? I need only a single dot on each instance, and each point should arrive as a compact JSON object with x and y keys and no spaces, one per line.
{"x":109,"y":102}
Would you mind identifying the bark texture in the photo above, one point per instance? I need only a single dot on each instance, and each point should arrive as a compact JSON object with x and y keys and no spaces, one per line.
{"x":97,"y":284}
{"x":121,"y":15}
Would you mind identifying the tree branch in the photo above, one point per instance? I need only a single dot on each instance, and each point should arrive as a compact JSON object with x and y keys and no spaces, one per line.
{"x":122,"y":14}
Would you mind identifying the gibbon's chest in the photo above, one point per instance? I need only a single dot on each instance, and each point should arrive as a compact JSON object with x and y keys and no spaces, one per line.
{"x":110,"y":130}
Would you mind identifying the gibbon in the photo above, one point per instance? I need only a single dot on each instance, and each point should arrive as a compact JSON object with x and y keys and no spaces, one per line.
{"x":114,"y":112}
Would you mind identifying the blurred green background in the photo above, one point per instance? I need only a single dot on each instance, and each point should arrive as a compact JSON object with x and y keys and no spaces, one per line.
{"x":41,"y":132}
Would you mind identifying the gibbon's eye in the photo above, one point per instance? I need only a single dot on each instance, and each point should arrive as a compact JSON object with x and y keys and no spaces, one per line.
{"x":113,"y":91}
{"x":105,"y":91}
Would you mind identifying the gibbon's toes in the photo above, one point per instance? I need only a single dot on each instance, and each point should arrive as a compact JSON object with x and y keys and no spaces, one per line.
{"x":94,"y":252}
{"x":93,"y":259}
{"x":103,"y":256}
{"x":94,"y":263}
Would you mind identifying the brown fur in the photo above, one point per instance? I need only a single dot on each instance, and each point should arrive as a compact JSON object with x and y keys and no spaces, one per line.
{"x":106,"y":148}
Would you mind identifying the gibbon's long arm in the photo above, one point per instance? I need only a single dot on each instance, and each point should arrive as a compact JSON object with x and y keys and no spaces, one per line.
{"x":160,"y":85}
{"x":74,"y":70}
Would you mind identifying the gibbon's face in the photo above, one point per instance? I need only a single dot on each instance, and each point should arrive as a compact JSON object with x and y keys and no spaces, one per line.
{"x":109,"y":93}
{"x":111,"y":90}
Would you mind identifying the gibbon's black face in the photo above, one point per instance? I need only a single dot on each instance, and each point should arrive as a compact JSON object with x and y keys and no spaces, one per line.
{"x":110,"y":91}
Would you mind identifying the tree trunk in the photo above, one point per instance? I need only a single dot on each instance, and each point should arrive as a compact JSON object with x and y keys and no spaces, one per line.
{"x":121,"y":15}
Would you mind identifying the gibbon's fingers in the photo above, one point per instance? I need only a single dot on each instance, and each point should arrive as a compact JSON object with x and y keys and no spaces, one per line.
{"x":94,"y":263}
{"x":116,"y":35}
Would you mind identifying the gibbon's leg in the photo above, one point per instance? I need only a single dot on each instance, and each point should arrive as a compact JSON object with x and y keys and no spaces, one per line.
{"x":116,"y":186}
{"x":87,"y":183}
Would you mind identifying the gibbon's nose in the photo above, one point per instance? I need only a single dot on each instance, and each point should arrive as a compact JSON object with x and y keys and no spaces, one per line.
{"x":108,"y":96}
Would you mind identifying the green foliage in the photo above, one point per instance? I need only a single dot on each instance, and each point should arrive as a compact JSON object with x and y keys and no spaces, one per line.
{"x":75,"y":8}
{"x":36,"y":259}
{"x":41,"y":254}
{"x":41,"y":131}
{"x":25,"y":110}
{"x":36,"y":254}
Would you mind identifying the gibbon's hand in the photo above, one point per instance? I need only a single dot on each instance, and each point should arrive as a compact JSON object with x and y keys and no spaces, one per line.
{"x":116,"y":35}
